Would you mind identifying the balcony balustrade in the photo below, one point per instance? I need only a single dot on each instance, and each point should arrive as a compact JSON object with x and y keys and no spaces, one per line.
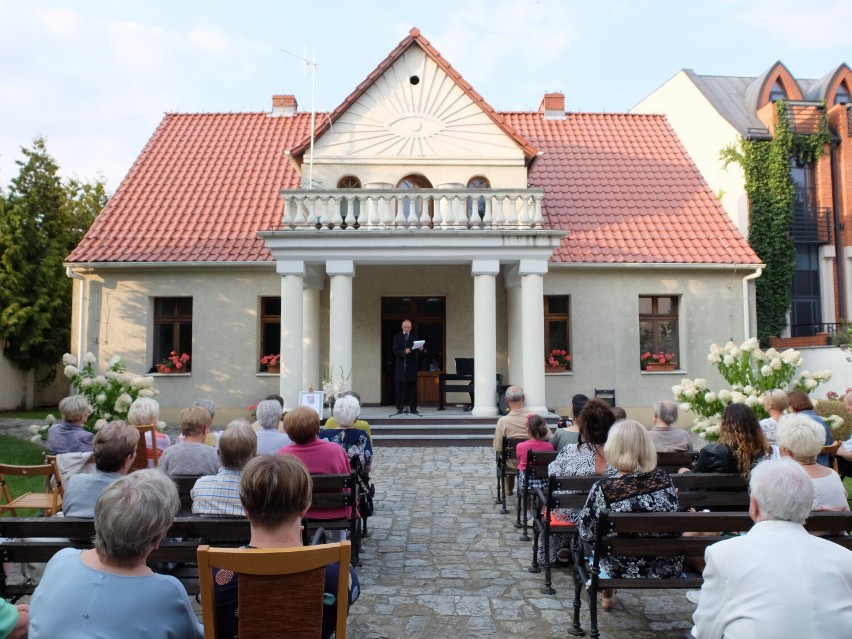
{"x":402,"y":209}
{"x":811,"y":225}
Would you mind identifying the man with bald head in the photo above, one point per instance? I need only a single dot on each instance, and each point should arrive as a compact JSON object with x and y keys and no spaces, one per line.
{"x":513,"y":425}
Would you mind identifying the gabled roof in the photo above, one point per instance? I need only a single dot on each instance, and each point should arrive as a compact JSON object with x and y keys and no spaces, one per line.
{"x":626,"y":191}
{"x":200,"y":190}
{"x":621,"y":185}
{"x":414,"y":38}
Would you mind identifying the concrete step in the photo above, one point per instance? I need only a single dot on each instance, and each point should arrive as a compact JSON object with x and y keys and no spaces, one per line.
{"x":432,"y":432}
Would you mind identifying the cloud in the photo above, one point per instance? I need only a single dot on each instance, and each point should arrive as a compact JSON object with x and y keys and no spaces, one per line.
{"x":210,"y":40}
{"x":59,"y":22}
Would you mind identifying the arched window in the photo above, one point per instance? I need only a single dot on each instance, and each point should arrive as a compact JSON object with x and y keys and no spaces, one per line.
{"x":777,"y":92}
{"x":841,"y":96}
{"x":477,"y":183}
{"x":414,"y":182}
{"x":349,"y":182}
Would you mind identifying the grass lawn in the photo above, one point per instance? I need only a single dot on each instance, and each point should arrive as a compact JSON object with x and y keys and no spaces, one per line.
{"x":41,"y":413}
{"x":847,"y":484}
{"x":22,"y":452}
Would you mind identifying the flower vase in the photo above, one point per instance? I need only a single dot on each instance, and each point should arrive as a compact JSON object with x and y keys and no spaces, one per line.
{"x":275,"y":370}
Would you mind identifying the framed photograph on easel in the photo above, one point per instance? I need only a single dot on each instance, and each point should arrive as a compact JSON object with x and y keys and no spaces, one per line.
{"x":312,"y":399}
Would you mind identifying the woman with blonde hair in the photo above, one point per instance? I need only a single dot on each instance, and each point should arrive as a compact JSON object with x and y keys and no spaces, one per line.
{"x":801,"y":438}
{"x":145,"y":411}
{"x":741,"y":444}
{"x":638,"y":486}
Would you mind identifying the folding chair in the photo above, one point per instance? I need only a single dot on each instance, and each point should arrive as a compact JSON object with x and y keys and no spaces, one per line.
{"x":49,"y":502}
{"x":281,"y":590}
{"x":141,"y":460}
{"x":831,"y":451}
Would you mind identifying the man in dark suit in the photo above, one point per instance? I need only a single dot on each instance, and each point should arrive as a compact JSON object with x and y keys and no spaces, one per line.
{"x":405,"y":374}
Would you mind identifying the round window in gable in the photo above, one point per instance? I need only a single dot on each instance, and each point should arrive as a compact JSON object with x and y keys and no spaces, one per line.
{"x":414,"y":79}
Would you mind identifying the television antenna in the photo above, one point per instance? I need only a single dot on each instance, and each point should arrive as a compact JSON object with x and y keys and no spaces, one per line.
{"x":312,"y":64}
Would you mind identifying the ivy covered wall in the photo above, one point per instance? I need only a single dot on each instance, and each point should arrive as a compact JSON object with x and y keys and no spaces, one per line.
{"x":769,"y":185}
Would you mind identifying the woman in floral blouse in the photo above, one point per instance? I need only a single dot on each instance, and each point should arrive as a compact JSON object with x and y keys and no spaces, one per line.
{"x":639,"y":486}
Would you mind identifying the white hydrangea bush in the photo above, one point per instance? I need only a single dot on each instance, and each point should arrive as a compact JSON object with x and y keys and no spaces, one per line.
{"x":110,"y":394}
{"x":750,"y":372}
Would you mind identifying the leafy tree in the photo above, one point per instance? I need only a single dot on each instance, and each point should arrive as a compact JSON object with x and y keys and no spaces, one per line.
{"x":41,"y":221}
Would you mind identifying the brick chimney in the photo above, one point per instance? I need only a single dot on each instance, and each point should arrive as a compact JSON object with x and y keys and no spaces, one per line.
{"x":553,"y":106}
{"x":284,"y":106}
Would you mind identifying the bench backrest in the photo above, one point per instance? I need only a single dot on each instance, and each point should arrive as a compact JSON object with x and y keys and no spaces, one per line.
{"x":538,"y":461}
{"x":510,"y":445}
{"x":672,"y":462}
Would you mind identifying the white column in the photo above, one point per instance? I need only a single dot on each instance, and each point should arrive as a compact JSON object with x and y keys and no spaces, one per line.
{"x":532,"y":330}
{"x":340,"y":273}
{"x":484,"y":336}
{"x":292,"y":332}
{"x":313,"y":285}
{"x":513,"y":316}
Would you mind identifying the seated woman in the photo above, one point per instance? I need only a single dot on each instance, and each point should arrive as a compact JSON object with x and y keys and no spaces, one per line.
{"x":320,"y":457}
{"x":538,"y":432}
{"x":583,"y":458}
{"x":354,"y":441}
{"x":741,"y":444}
{"x":109,"y":591}
{"x":69,"y":436}
{"x":639,"y":486}
{"x":331,"y":423}
{"x":145,"y":411}
{"x":802,"y":438}
{"x":275,"y":493}
{"x":269,"y":439}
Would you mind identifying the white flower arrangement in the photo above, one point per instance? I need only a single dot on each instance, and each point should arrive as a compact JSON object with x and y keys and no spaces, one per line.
{"x":749,"y":372}
{"x":334,"y":388}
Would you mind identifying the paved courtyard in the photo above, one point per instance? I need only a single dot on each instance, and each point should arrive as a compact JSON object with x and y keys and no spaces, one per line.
{"x":442,"y":561}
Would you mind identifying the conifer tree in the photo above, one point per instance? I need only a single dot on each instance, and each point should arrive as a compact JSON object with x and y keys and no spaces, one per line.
{"x":41,"y":220}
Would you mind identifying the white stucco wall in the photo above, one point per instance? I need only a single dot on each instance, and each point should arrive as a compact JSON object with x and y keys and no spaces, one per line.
{"x":704,"y":133}
{"x":605,"y":329}
{"x":604,"y":314}
{"x":22,"y":390}
{"x":432,"y":128}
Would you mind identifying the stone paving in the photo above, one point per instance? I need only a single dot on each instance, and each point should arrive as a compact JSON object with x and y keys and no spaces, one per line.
{"x":445,"y":562}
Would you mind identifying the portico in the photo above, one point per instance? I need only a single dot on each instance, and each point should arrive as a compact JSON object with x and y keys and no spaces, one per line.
{"x":518,"y":259}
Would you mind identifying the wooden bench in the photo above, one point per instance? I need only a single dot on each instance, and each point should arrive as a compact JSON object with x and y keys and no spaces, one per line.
{"x":537,"y":463}
{"x":37,"y":539}
{"x":509,"y":453}
{"x":719,"y":491}
{"x":616,"y":534}
{"x":673,"y":462}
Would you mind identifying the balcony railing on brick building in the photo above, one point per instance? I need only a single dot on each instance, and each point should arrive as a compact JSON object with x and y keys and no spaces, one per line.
{"x":804,"y":117}
{"x":811,"y":225}
{"x":401,"y":209}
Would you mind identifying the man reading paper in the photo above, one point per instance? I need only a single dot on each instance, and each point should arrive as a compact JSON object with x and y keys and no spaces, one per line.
{"x":406,"y":352}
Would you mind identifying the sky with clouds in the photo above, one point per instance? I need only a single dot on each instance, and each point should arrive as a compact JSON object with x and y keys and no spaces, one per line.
{"x":94,"y":77}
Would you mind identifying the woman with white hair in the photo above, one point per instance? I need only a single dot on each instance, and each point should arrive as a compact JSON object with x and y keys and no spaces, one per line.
{"x":802,"y":438}
{"x":638,"y":486}
{"x":69,"y":436}
{"x":145,"y":411}
{"x":269,"y":439}
{"x":109,"y":591}
{"x":354,"y":441}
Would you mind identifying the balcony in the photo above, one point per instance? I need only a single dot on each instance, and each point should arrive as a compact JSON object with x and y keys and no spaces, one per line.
{"x":454,"y":209}
{"x":804,"y":117}
{"x":811,"y":225}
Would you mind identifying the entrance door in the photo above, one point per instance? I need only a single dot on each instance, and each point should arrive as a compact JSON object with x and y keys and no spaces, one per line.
{"x":428,"y":318}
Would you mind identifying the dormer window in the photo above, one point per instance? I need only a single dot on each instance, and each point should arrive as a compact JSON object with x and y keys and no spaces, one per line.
{"x":841,"y":96}
{"x":777,"y":92}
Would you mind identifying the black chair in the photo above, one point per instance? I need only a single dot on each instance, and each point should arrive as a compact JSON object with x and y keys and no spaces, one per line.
{"x":537,"y":463}
{"x":338,"y":491}
{"x":509,"y":453}
{"x":606,"y":394}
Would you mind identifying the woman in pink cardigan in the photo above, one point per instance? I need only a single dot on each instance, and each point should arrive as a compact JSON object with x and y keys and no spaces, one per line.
{"x":321,"y":457}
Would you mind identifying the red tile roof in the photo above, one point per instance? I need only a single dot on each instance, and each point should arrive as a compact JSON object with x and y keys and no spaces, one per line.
{"x":621,"y":185}
{"x":199,"y":192}
{"x":626,"y":191}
